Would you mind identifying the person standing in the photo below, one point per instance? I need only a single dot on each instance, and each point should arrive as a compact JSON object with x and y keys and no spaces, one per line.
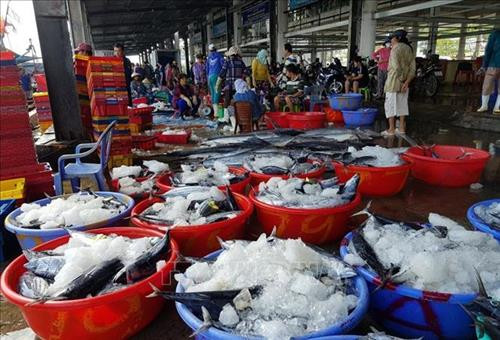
{"x":158,"y":75}
{"x":381,"y":56}
{"x":119,"y":51}
{"x":213,"y":67}
{"x":232,"y":69}
{"x":401,"y":71}
{"x":199,"y":72}
{"x":261,"y":78}
{"x":169,"y":76}
{"x":491,"y":65}
{"x":148,"y":70}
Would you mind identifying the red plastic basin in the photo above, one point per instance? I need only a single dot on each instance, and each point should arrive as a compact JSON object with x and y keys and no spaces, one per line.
{"x":278,"y":118}
{"x":306,"y":120}
{"x":447,"y":170}
{"x":165,"y":184}
{"x":256,"y":178}
{"x":375,"y":181}
{"x":200,"y":240}
{"x":116,"y":315}
{"x":314,"y":226}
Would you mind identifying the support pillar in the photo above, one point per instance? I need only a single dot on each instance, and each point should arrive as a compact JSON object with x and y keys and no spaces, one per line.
{"x":204,"y":39}
{"x":236,"y":24}
{"x":368,"y":28}
{"x":186,"y":52}
{"x":354,"y":28}
{"x":51,"y":21}
{"x":433,"y":31}
{"x":177,"y":47}
{"x":228,"y":28}
{"x":413,"y":37}
{"x":77,"y":22}
{"x":461,"y":42}
{"x":86,"y":26}
{"x":281,"y":29}
{"x":210,"y":23}
{"x":272,"y":30}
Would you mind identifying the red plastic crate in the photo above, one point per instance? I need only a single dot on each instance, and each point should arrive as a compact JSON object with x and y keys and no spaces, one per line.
{"x":144,"y":142}
{"x":13,"y":101}
{"x":141,"y":100}
{"x":101,"y":108}
{"x":24,"y":170}
{"x":16,"y":120}
{"x":141,"y":120}
{"x":174,"y":139}
{"x":41,"y":82}
{"x":140,"y":111}
{"x":13,"y":109}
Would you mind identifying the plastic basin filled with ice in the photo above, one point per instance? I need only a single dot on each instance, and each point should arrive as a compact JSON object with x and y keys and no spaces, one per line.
{"x":29,"y":238}
{"x":116,"y":315}
{"x":375,"y":181}
{"x":348,"y":101}
{"x":165,"y":182}
{"x":256,"y":178}
{"x":200,"y":240}
{"x":306,"y":120}
{"x":478,"y":223}
{"x":314,"y":226}
{"x":115,"y":185}
{"x":412,"y":313}
{"x":354,"y":317}
{"x":451,"y":165}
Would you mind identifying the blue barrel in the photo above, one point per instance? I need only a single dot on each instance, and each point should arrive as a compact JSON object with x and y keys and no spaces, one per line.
{"x":29,"y":238}
{"x":352,"y":320}
{"x":478,"y":223}
{"x":412,"y":313}
{"x":348,"y":101}
{"x":360,"y":117}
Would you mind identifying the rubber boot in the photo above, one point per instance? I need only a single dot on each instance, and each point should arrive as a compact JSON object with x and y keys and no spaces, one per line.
{"x":232,"y":119}
{"x":484,"y":104}
{"x":496,"y":110}
{"x":216,"y":109}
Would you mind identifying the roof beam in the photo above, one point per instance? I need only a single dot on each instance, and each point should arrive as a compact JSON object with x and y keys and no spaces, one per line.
{"x":317,"y":28}
{"x":183,"y":6}
{"x":413,"y":8}
{"x":445,"y":20}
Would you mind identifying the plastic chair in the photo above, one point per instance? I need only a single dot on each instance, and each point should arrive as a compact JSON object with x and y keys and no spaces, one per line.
{"x":77,"y":170}
{"x":365,"y":91}
{"x":244,"y":119}
{"x":316,"y":97}
{"x":464,"y":68}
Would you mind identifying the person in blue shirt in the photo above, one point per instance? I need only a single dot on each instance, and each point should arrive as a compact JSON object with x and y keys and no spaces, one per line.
{"x":244,"y":94}
{"x":491,"y":65}
{"x":214,"y":63}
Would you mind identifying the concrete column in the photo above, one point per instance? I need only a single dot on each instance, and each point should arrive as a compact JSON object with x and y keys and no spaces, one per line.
{"x":271,"y":31}
{"x":236,"y":24}
{"x":354,"y":28}
{"x":281,"y":28}
{"x":210,"y":23}
{"x":433,"y":31}
{"x":228,"y":28}
{"x":368,"y":26}
{"x":52,"y":24}
{"x":177,"y":47}
{"x":461,"y":42}
{"x":413,"y":37}
{"x":186,"y":52}
{"x":204,"y":46}
{"x":76,"y":22}
{"x":86,"y":26}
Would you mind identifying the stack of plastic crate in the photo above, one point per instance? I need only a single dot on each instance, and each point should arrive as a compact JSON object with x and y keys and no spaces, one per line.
{"x":81,"y":63}
{"x":43,"y":110}
{"x":109,"y":102}
{"x":141,"y":119}
{"x":17,"y":150}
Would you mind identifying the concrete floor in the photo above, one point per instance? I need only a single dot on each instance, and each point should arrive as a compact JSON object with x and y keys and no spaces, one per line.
{"x":430,"y":122}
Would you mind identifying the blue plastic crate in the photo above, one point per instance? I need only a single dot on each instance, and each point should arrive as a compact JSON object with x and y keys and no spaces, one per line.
{"x":6,"y":206}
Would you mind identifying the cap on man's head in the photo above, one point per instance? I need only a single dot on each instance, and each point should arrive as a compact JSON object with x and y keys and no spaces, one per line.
{"x":211,"y":47}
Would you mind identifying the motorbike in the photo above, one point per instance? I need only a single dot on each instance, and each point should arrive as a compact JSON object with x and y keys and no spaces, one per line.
{"x":428,"y":76}
{"x":372,"y":77}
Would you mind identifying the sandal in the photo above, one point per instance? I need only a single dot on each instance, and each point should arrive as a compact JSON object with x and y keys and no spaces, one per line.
{"x":386,"y":133}
{"x":400,"y":132}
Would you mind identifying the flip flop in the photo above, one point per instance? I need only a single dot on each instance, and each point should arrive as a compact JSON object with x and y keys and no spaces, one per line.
{"x":386,"y":133}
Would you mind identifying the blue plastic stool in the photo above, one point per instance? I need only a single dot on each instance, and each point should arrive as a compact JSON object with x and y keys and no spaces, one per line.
{"x":77,"y":170}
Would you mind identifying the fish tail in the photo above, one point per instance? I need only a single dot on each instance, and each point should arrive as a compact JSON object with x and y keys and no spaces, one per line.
{"x":480,"y":284}
{"x":207,"y":322}
{"x":365,"y":211}
{"x":156,"y":291}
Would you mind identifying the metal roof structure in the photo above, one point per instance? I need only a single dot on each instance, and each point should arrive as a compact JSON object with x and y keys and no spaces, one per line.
{"x":140,"y":24}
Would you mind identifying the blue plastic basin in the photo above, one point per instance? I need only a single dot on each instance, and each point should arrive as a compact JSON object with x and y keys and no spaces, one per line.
{"x":348,"y":101}
{"x":478,"y":223}
{"x":6,"y":206}
{"x":342,"y":327}
{"x":412,"y":313}
{"x":29,"y":238}
{"x":360,"y":117}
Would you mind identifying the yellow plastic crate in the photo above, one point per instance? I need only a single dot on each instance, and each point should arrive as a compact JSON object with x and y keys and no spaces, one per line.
{"x":116,"y":161}
{"x":12,"y":188}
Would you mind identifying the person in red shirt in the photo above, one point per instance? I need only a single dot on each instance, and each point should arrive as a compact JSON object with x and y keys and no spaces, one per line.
{"x":381,"y":56}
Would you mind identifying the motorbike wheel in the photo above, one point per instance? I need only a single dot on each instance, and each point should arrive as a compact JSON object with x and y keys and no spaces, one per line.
{"x":373,"y":85}
{"x":336,"y":87}
{"x":431,"y":85}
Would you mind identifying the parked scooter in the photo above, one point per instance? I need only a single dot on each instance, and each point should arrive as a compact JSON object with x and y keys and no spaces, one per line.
{"x":429,"y":76}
